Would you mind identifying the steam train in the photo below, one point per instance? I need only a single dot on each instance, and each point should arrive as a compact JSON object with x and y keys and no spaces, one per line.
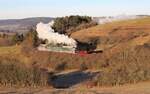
{"x":87,"y":48}
{"x":82,"y":47}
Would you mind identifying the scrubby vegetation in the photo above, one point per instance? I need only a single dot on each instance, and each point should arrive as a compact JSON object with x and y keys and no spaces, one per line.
{"x":5,"y":40}
{"x":17,"y":38}
{"x":15,"y":73}
{"x":129,"y":66}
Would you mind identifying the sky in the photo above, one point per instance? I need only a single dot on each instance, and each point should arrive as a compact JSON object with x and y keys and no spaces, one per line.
{"x":14,"y":9}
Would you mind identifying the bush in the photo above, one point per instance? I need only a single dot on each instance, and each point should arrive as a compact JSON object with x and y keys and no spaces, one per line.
{"x":60,"y":67}
{"x":30,"y":42}
{"x":31,"y":39}
{"x":16,"y":39}
{"x":83,"y":67}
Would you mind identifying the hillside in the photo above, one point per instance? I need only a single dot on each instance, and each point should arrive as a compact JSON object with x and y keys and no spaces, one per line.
{"x":21,"y":25}
{"x":130,"y":32}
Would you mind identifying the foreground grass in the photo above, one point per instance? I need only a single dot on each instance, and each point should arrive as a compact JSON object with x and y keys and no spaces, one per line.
{"x":140,"y":88}
{"x":15,"y":73}
{"x":14,"y":52}
{"x":10,"y":50}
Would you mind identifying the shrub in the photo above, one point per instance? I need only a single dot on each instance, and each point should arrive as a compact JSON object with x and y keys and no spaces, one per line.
{"x":30,"y":42}
{"x":83,"y":67}
{"x":31,"y":39}
{"x":17,"y":38}
{"x":60,"y":67}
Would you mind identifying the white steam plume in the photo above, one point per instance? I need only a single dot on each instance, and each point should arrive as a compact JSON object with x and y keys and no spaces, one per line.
{"x":45,"y":31}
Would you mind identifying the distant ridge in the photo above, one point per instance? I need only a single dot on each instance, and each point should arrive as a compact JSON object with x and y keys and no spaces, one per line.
{"x":108,"y":19}
{"x":22,"y":25}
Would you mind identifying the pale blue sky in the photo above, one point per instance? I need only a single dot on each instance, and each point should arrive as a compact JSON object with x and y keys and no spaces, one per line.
{"x":51,"y":8}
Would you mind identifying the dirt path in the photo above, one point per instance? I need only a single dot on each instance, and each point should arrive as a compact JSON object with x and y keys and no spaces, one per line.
{"x":140,"y":88}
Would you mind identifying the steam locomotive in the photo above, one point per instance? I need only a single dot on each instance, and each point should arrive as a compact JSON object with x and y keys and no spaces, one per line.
{"x":87,"y":48}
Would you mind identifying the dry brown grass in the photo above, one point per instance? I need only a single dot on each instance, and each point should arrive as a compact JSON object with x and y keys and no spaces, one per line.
{"x":5,"y":42}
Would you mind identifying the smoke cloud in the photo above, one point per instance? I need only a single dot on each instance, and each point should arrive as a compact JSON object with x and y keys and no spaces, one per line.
{"x":45,"y":31}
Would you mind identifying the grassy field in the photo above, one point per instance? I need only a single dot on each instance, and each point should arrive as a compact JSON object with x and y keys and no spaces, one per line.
{"x":10,"y":50}
{"x":14,"y":52}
